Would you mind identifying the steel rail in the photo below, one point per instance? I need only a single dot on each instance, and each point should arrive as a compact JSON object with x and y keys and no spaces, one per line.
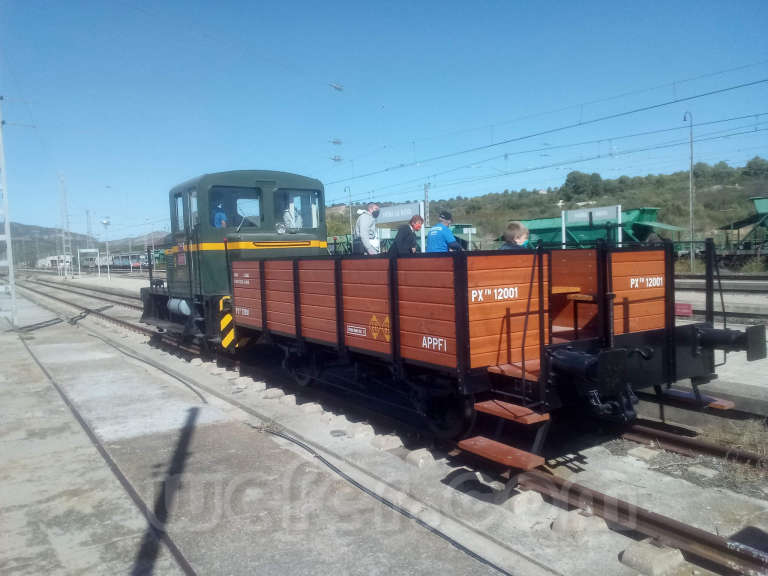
{"x":753,"y":277}
{"x":94,"y":293}
{"x":122,"y":323}
{"x":93,"y":312}
{"x":732,"y":556}
{"x":729,"y":286}
{"x":687,"y":444}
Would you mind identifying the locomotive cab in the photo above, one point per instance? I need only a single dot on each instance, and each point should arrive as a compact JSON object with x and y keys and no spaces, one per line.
{"x":215,"y":218}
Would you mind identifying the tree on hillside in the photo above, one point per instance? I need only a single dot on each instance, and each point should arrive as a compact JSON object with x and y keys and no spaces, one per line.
{"x":595,"y":185}
{"x":579,"y":185}
{"x":722,"y":173}
{"x":702,"y":171}
{"x":576,"y":185}
{"x":756,"y":168}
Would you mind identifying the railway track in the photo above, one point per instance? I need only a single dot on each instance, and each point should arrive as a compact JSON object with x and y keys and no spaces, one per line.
{"x":674,"y":440}
{"x":129,"y":323}
{"x":752,"y":277}
{"x":698,"y":545}
{"x":128,"y":302}
{"x":124,"y":321}
{"x":729,"y":556}
{"x":729,"y":286}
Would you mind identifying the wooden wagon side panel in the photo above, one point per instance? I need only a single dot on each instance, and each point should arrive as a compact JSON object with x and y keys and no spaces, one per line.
{"x":503,"y":300}
{"x":246,"y":285}
{"x":574,"y":272}
{"x":317,"y":300}
{"x":426,"y":310}
{"x":279,"y":296}
{"x":366,"y":306}
{"x":638,"y":279}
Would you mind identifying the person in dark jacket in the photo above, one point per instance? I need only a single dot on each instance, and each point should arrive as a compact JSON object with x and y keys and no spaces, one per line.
{"x":405,"y":240}
{"x":515,"y":236}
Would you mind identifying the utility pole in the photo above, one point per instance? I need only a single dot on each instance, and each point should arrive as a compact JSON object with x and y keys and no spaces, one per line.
{"x":426,"y":205}
{"x":348,"y":190}
{"x":66,"y":239}
{"x":689,"y":118}
{"x":89,"y":229}
{"x":105,"y":222}
{"x":5,"y":237}
{"x":149,"y":238}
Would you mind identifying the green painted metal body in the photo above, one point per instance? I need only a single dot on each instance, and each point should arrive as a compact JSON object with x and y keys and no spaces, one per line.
{"x":749,"y":233}
{"x":637,"y":225}
{"x":197,"y":261}
{"x":761,"y":204}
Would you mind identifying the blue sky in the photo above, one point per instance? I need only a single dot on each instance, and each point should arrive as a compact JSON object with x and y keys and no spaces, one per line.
{"x":131,"y":97}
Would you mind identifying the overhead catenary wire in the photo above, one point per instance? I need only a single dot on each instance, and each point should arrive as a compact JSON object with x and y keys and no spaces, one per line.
{"x":550,"y":131}
{"x":598,"y":156}
{"x":580,"y":160}
{"x":550,"y":148}
{"x":715,"y":135}
{"x":579,"y":105}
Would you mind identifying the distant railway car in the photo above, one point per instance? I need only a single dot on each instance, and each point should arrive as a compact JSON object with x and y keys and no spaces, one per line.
{"x":513,"y":334}
{"x":128,"y":261}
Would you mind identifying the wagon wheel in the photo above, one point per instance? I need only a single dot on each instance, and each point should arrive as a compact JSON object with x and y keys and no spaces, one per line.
{"x":303,"y":369}
{"x":451,"y":417}
{"x":302,"y":376}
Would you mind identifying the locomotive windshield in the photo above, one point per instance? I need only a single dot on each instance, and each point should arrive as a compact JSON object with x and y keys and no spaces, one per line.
{"x":234,"y":206}
{"x":296,"y":210}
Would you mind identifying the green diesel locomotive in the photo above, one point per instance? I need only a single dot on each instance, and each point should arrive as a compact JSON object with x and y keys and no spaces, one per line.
{"x":222,"y":217}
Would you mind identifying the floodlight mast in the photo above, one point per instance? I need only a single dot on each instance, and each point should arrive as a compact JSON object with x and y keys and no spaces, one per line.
{"x":7,"y":224}
{"x":106,"y":223}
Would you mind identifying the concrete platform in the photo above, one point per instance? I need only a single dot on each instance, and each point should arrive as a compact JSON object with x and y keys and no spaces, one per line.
{"x":236,"y":501}
{"x":62,"y":510}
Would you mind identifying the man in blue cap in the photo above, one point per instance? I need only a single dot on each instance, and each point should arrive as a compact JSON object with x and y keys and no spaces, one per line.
{"x":219,"y":216}
{"x":440,"y":238}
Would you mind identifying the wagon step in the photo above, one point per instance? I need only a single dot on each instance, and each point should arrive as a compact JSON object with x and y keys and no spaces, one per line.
{"x":509,"y":411}
{"x":501,"y":453}
{"x":689,"y":397}
{"x":515,"y":370}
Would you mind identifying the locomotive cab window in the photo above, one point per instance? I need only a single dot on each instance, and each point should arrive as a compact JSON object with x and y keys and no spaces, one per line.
{"x":193,"y":217}
{"x":235,"y":207}
{"x":296,"y":210}
{"x":178,"y":213}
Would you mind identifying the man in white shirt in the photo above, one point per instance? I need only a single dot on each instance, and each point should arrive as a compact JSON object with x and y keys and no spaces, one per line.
{"x":366,"y":238}
{"x":291,"y":218}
